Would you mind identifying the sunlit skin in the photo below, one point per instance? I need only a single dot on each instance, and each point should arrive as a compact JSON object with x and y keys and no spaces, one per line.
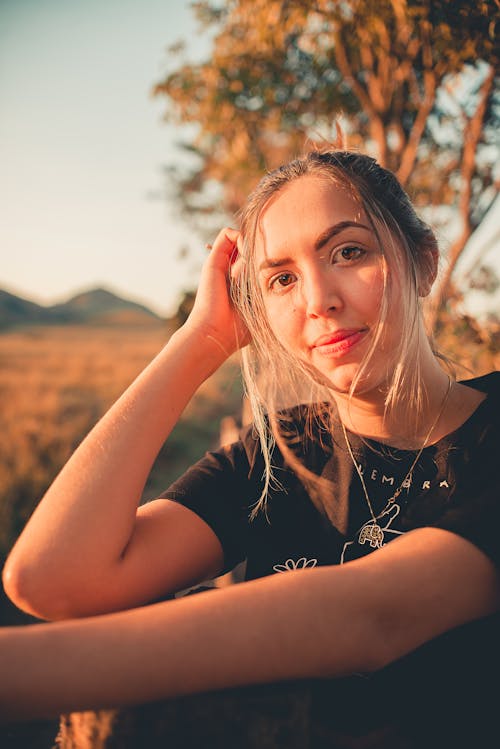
{"x":321,"y":274}
{"x":321,"y":271}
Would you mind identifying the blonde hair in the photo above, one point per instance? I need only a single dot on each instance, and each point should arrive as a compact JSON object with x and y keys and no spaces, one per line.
{"x":275,"y":378}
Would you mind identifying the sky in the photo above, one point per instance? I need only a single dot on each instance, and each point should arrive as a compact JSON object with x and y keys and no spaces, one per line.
{"x":83,"y":145}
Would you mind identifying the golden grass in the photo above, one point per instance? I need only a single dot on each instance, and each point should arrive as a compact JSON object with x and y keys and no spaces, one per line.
{"x":56,"y":382}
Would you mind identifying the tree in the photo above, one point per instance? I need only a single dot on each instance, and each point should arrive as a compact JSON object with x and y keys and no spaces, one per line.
{"x":282,"y":71}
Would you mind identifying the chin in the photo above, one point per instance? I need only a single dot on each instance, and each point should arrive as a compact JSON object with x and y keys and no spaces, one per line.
{"x":341,"y":378}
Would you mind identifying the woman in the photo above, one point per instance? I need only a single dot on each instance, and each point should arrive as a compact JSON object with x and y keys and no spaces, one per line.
{"x":359,"y":474}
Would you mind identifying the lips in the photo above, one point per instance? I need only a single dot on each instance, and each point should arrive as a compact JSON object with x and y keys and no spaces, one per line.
{"x":338,"y":342}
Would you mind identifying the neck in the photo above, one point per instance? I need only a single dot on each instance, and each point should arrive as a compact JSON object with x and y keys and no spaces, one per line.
{"x":366,"y":413}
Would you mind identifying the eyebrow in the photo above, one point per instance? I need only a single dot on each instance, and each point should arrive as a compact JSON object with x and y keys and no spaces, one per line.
{"x":321,"y":241}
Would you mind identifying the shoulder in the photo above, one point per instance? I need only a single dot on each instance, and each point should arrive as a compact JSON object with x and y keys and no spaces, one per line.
{"x":483,"y":424}
{"x":470,"y":461}
{"x":488,"y":383}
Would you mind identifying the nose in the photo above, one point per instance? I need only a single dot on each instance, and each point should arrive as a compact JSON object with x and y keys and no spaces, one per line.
{"x":321,"y":297}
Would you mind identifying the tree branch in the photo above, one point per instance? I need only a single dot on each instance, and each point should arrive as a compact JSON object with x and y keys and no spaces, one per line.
{"x":410,"y":152}
{"x":472,"y":134}
{"x":377,"y":129}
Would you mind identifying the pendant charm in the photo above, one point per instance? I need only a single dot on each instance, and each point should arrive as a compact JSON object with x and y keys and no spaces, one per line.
{"x":373,"y":534}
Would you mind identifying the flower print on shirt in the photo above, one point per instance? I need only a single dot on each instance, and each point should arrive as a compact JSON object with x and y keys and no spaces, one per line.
{"x":300,"y":564}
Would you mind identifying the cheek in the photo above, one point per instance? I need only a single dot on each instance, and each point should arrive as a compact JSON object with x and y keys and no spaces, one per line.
{"x":283,"y":319}
{"x":368,"y":293}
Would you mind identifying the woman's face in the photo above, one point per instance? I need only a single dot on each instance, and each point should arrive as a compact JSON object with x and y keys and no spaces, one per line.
{"x":321,"y":272}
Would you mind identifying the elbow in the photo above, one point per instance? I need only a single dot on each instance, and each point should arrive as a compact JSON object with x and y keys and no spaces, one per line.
{"x":370,"y":637}
{"x":45,"y":594}
{"x":373,"y":649}
{"x":22,"y":585}
{"x":19,"y":587}
{"x":389,"y":640}
{"x":16,"y":585}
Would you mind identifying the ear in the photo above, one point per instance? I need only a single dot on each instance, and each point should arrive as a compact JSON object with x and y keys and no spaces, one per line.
{"x":428,"y":269}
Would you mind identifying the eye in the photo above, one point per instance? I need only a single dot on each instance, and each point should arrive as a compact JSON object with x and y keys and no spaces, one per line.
{"x":347,"y":255}
{"x":282,"y":281}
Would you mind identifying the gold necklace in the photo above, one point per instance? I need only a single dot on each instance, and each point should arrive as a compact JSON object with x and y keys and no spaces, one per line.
{"x":408,"y":473}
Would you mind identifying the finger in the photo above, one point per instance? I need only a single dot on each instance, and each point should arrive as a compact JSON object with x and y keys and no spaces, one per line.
{"x":226,"y":239}
{"x":224,"y":250}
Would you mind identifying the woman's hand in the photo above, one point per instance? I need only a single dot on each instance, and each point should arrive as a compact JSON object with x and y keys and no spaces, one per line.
{"x":214,"y":314}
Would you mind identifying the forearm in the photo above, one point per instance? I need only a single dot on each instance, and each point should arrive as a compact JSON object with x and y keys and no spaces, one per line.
{"x":84,"y":522}
{"x":279,"y":628}
{"x":321,"y":622}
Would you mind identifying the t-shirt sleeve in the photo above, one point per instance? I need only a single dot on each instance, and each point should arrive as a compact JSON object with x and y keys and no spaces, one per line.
{"x":473,"y":508}
{"x":474,"y":514}
{"x":221,"y":488}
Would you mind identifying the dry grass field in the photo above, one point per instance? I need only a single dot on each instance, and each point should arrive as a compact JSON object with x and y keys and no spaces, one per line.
{"x":56,"y":382}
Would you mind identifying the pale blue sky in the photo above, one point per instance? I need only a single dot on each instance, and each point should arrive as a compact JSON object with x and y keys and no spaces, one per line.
{"x":82,"y":145}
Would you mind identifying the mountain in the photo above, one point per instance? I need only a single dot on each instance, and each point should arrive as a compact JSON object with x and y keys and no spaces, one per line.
{"x":102,"y":305}
{"x":15,"y":309}
{"x":94,"y":306}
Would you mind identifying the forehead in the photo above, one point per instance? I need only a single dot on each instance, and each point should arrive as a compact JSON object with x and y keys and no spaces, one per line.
{"x":303,"y":209}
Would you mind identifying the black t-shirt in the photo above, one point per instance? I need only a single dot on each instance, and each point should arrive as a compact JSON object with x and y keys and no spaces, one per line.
{"x":454,"y":486}
{"x":444,"y":694}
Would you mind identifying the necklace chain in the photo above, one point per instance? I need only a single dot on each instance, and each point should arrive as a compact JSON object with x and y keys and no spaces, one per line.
{"x":414,"y":463}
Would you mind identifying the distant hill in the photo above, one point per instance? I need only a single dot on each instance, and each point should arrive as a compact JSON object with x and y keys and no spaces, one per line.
{"x":95,"y":306}
{"x":102,"y":305}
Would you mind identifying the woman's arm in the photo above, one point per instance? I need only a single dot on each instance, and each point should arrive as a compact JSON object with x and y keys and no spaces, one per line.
{"x":322,"y":622}
{"x":86,"y":548}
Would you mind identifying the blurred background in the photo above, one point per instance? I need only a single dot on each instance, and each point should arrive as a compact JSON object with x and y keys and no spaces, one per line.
{"x":84,"y":146}
{"x":131,"y":130}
